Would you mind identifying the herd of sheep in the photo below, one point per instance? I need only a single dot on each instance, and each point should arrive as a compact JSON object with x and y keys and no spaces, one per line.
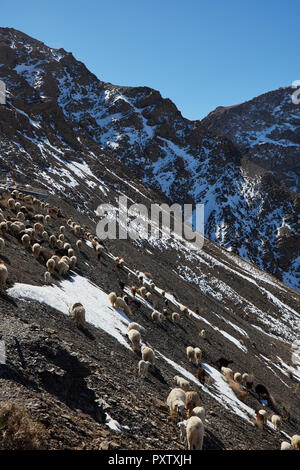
{"x":31,"y":228}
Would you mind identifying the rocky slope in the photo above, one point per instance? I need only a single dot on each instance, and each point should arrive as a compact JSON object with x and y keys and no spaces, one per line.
{"x":62,"y":125}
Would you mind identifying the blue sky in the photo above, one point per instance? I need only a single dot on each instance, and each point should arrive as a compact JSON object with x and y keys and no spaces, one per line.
{"x":199,"y":53}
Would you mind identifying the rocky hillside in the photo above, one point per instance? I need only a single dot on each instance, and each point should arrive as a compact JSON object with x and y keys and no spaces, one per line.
{"x":63,"y":126}
{"x":81,"y":383}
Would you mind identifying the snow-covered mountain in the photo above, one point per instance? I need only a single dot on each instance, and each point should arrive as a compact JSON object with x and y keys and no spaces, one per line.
{"x":62,"y":125}
{"x":267,"y":130}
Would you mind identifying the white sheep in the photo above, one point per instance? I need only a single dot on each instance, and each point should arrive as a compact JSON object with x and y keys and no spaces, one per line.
{"x":25,"y":240}
{"x":11,"y":203}
{"x":62,"y":268}
{"x":79,"y":245}
{"x":112,"y":297}
{"x":237,"y":377}
{"x":47,"y":277}
{"x":143,"y":368}
{"x":2,"y":244}
{"x":156,"y":316}
{"x":200,"y":412}
{"x":73,"y":261}
{"x":78,"y":312}
{"x":276,"y":421}
{"x":135,"y":338}
{"x":176,"y":401}
{"x":135,"y":326}
{"x":194,"y":433}
{"x":51,"y":265}
{"x":286,"y":446}
{"x":61,"y":237}
{"x":38,"y":228}
{"x":60,"y":244}
{"x":296,"y":441}
{"x":70,"y":252}
{"x":184,"y":310}
{"x":181,"y":382}
{"x":36,"y":249}
{"x":45,"y":235}
{"x":47,"y":219}
{"x":147,"y":354}
{"x":182,"y":429}
{"x":67,"y":246}
{"x":198,"y":355}
{"x":3,"y":275}
{"x":52,"y":240}
{"x":202,"y":334}
{"x":62,"y":229}
{"x":122,"y":305}
{"x":190,"y":353}
{"x":3,"y":227}
{"x":20,"y":216}
{"x":264,"y":414}
{"x":175,"y":317}
{"x":227,"y":372}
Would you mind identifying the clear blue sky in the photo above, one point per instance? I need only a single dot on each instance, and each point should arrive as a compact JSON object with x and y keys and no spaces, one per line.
{"x":199,"y":53}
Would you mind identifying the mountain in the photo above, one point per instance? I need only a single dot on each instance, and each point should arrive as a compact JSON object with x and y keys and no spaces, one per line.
{"x":66,"y":116}
{"x":267,"y":130}
{"x":84,"y":142}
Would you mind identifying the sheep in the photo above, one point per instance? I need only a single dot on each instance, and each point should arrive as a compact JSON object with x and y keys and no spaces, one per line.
{"x":70,"y":252}
{"x":79,"y":245}
{"x":176,"y":401}
{"x":67,"y":246}
{"x":163,"y":293}
{"x":259,"y":420}
{"x":135,"y":326}
{"x":194,"y":433}
{"x":181,"y":382}
{"x":61,"y":237}
{"x":122,"y":305}
{"x":3,"y":227}
{"x":59,"y":244}
{"x":45,"y":235}
{"x":62,"y":268}
{"x":184,"y":309}
{"x":1,"y":217}
{"x":2,"y":244}
{"x":175,"y":317}
{"x":237,"y":377}
{"x":38,"y":228}
{"x":62,"y":229}
{"x":202,"y":334}
{"x":52,"y":240}
{"x":276,"y":421}
{"x":25,"y":240}
{"x":135,"y":337}
{"x":182,"y":429}
{"x":30,"y":232}
{"x":192,"y":400}
{"x":227,"y":372}
{"x":47,"y":277}
{"x":73,"y":262}
{"x":56,"y":259}
{"x":198,"y":355}
{"x":112,"y":297}
{"x":143,"y":368}
{"x":99,"y":251}
{"x":39,"y":218}
{"x":133,"y":290}
{"x":11,"y":203}
{"x":66,"y":260}
{"x":21,"y":216}
{"x":237,"y":390}
{"x":51,"y":265}
{"x":296,"y":441}
{"x":36,"y":249}
{"x":286,"y":446}
{"x":200,"y":412}
{"x":143,"y":291}
{"x":3,"y":275}
{"x":264,"y":414}
{"x":201,"y":374}
{"x":78,"y":313}
{"x":148,"y":296}
{"x":190,"y":353}
{"x":147,"y":354}
{"x":156,"y":316}
{"x":47,"y":219}
{"x":18,"y":206}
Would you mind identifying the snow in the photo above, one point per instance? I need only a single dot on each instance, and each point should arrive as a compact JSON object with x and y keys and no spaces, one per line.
{"x":99,"y":311}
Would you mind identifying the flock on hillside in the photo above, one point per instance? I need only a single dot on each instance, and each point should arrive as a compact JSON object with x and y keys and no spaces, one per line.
{"x":28,"y":219}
